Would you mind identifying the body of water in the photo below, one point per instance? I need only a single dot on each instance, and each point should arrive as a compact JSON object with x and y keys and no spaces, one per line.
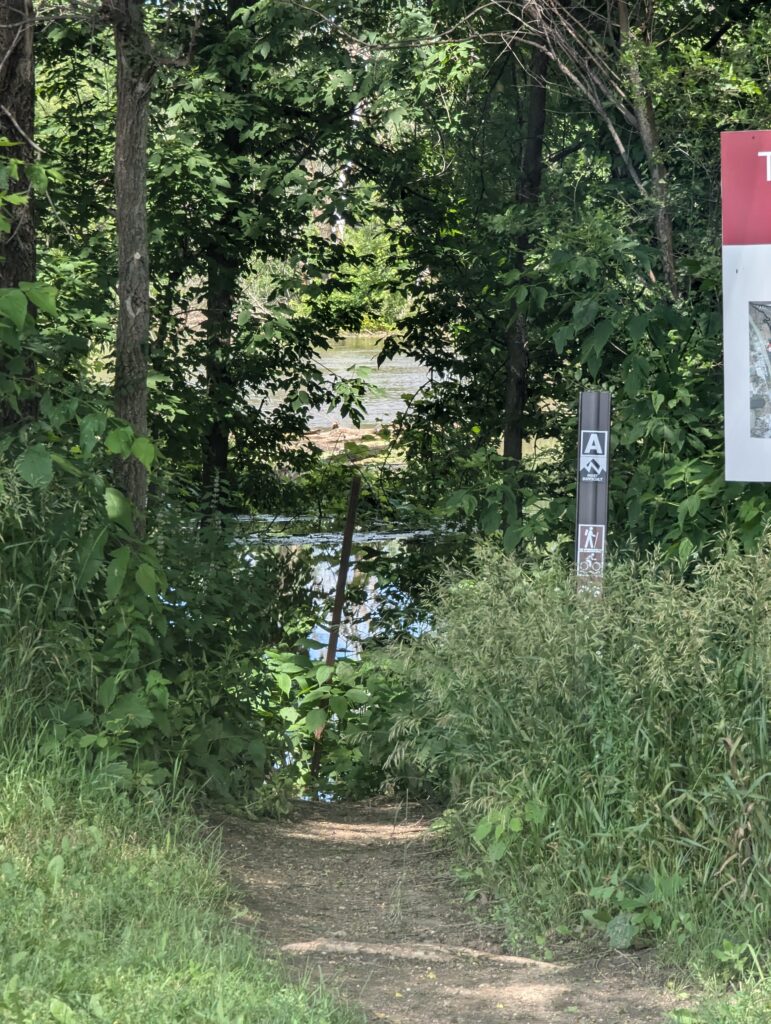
{"x":374,"y":607}
{"x":396,"y":378}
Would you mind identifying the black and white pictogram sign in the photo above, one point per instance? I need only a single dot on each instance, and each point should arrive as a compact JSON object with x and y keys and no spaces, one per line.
{"x":591,"y":549}
{"x":594,"y":408}
{"x":593,"y":463}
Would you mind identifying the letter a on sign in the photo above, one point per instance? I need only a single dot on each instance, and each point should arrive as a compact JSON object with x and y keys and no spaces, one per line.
{"x":593,"y":463}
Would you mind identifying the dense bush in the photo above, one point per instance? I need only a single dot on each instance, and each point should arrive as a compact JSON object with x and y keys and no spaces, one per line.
{"x":605,"y":759}
{"x":184,"y":653}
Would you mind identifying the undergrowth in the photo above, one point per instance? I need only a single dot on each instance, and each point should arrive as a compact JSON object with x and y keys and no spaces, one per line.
{"x":113,"y":907}
{"x":606,"y":760}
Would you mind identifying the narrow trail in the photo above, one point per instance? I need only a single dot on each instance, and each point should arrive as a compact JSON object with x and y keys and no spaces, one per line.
{"x":358,"y":894}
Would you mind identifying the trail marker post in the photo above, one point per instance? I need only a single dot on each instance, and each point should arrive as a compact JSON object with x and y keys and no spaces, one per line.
{"x":337,"y":608}
{"x":593,"y":475}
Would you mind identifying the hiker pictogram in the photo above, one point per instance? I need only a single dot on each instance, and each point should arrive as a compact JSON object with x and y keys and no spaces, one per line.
{"x":591,"y":549}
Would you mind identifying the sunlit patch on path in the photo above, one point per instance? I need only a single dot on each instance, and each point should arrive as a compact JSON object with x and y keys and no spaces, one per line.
{"x":357,"y":894}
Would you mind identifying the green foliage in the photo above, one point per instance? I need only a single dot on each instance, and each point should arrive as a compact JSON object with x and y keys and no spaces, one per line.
{"x":368,"y":284}
{"x":316,"y":702}
{"x":751,"y":1005}
{"x":606,"y":760}
{"x":112,"y":908}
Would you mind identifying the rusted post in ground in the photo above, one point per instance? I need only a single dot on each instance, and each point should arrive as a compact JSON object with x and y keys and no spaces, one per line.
{"x":337,"y":608}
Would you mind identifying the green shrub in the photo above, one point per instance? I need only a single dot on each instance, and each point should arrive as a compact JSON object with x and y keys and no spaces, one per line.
{"x":606,"y":760}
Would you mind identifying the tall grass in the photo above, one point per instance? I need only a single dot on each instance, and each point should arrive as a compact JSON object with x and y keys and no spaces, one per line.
{"x":607,"y":760}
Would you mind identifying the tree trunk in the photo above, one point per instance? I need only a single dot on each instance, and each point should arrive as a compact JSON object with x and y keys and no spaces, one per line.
{"x":134,"y":77}
{"x":646,"y":121}
{"x":223,"y":266}
{"x":220,"y":295}
{"x":517,"y":361}
{"x":17,"y":124}
{"x":517,"y":358}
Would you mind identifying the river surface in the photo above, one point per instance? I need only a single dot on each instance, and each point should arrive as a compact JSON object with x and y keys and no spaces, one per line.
{"x":379,"y":603}
{"x":396,"y":378}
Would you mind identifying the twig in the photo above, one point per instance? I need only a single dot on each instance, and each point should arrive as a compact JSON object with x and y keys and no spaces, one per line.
{"x":19,"y":129}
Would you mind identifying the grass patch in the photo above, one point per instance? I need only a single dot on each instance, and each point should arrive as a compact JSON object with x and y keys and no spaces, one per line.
{"x":112,"y":908}
{"x":606,"y":762}
{"x":752,"y":1005}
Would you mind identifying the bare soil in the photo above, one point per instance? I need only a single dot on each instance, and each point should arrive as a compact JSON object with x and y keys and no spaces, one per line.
{"x":360,"y":895}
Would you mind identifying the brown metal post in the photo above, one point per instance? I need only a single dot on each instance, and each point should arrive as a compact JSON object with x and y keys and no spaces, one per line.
{"x":337,"y":607}
{"x":342,"y":576}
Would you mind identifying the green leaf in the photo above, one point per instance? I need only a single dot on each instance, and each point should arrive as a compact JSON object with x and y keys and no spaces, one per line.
{"x":119,"y":441}
{"x":685,"y":549}
{"x":118,"y":507}
{"x":395,"y":116}
{"x":621,"y":931}
{"x":535,"y":812}
{"x":539,"y":296}
{"x":637,"y":326}
{"x":55,"y":867}
{"x":146,"y":579}
{"x":107,"y":691}
{"x":483,"y":830}
{"x":36,"y":466}
{"x":315,"y":719}
{"x":490,"y":521}
{"x":584,"y":313}
{"x":37,"y":178}
{"x":13,"y":305}
{"x":511,"y":538}
{"x":116,"y":572}
{"x":561,"y":337}
{"x":600,"y":336}
{"x":131,"y":709}
{"x":144,"y":450}
{"x":284,"y":682}
{"x":62,"y":1013}
{"x":324,"y":673}
{"x":90,"y":556}
{"x":258,"y":752}
{"x":497,"y":849}
{"x":338,"y":705}
{"x":90,"y":427}
{"x":41,"y":295}
{"x":357,"y":695}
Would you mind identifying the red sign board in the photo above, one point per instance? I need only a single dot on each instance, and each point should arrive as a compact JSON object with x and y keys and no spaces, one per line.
{"x":746,"y":181}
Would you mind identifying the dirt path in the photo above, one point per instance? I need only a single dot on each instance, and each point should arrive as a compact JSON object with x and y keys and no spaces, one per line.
{"x":358,"y":894}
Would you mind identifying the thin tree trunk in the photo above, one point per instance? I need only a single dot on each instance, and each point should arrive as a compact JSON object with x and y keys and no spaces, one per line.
{"x":17,"y":124}
{"x":134,"y":76}
{"x":220,"y":296}
{"x":222,"y":281}
{"x":517,"y":357}
{"x":646,"y":120}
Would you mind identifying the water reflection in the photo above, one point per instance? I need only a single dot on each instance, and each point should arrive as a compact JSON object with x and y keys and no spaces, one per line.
{"x":387,"y":583}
